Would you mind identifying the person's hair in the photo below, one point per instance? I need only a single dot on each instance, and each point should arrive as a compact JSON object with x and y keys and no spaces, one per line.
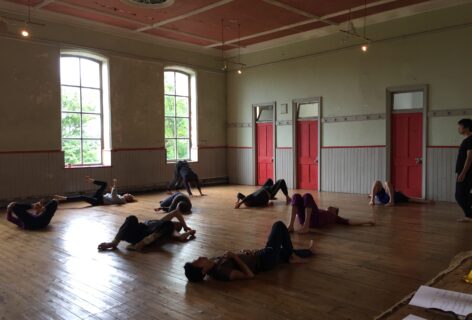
{"x":466,"y":123}
{"x":183,"y":207}
{"x":193,"y":274}
{"x":129,"y":197}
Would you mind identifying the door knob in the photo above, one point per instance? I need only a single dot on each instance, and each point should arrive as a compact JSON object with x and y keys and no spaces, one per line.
{"x":419,"y":160}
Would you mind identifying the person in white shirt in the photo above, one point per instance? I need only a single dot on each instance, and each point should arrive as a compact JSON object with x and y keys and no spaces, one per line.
{"x":99,"y":198}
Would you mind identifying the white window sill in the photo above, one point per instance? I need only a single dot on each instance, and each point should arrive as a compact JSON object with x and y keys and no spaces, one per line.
{"x":87,"y":166}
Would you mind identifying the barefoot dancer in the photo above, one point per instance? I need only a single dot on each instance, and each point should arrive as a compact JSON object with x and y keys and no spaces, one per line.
{"x":99,"y":198}
{"x":143,"y":234}
{"x":41,"y":216}
{"x":176,"y":201}
{"x":386,"y":195}
{"x":184,"y":174}
{"x":261,"y":197}
{"x":310,"y":216}
{"x":246,"y":264}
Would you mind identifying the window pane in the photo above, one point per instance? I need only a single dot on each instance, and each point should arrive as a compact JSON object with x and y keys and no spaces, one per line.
{"x":70,"y":125}
{"x":92,"y":152}
{"x":169,"y":82}
{"x":169,"y":106}
{"x":89,"y":73}
{"x":182,"y":107}
{"x":183,"y":149}
{"x":70,"y":71}
{"x":170,"y":128}
{"x":70,"y":99}
{"x":182,"y":128}
{"x":182,"y":83}
{"x":72,"y":152}
{"x":91,"y":126}
{"x":91,"y":100}
{"x":170,"y":148}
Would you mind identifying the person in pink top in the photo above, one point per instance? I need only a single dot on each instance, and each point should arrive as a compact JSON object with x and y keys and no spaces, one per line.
{"x":310,"y":216}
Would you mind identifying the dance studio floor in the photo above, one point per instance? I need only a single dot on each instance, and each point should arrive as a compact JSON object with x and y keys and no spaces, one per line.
{"x":358,"y":271}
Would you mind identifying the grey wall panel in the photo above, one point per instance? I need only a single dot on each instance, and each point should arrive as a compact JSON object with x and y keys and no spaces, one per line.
{"x":240,"y":166}
{"x":351,"y":170}
{"x":284,"y":165}
{"x":441,"y":174}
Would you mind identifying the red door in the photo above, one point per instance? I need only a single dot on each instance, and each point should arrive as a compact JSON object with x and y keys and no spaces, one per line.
{"x":307,"y":154}
{"x":265,"y":152}
{"x":407,"y":153}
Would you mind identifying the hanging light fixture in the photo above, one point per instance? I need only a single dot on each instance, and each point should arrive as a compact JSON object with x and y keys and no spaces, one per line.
{"x":240,"y":70}
{"x":24,"y":31}
{"x":365,"y":46}
{"x":225,"y":65}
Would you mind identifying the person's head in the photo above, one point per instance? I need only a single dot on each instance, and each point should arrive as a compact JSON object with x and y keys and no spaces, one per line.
{"x":183,"y":207}
{"x":464,"y":126}
{"x":196,"y":270}
{"x":297,"y":200}
{"x":128,"y":197}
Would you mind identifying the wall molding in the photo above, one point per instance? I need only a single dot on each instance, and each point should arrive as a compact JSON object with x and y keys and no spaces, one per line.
{"x":239,"y":125}
{"x":360,"y":117}
{"x":450,"y":112}
{"x":284,"y":123}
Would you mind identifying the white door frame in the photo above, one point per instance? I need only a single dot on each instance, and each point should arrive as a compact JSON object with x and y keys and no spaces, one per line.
{"x":295,"y":104}
{"x":401,"y":89}
{"x":272,"y":104}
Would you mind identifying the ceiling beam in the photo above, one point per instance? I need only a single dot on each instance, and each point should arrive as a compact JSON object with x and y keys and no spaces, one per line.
{"x":43,"y":4}
{"x":324,"y":19}
{"x":298,"y":11}
{"x":186,"y":15}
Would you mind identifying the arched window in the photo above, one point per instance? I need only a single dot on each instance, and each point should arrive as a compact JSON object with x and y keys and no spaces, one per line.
{"x":179,"y":114}
{"x":84,"y":109}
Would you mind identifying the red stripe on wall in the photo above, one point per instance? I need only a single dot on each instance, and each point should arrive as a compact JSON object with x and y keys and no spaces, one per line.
{"x":30,"y":151}
{"x":350,"y":147}
{"x":137,"y":149}
{"x":444,"y":147}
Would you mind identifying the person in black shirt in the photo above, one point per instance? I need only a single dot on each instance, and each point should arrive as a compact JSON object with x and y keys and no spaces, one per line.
{"x":464,"y":174}
{"x":246,"y":264}
{"x":31,"y":216}
{"x":184,"y":174}
{"x":263,"y":195}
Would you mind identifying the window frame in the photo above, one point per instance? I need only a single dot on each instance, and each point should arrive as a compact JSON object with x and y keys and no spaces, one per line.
{"x":81,"y":113}
{"x":175,"y":117}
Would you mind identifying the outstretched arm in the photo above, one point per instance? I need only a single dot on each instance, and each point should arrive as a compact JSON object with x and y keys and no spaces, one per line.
{"x":176,"y":214}
{"x":245,"y":273}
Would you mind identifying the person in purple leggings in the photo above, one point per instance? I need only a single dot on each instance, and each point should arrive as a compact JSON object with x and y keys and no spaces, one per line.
{"x":310,"y":216}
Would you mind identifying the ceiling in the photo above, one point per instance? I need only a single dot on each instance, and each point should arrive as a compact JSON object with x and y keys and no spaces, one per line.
{"x":201,"y":23}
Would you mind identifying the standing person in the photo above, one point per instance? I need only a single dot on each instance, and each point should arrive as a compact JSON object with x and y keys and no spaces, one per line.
{"x":246,"y":264}
{"x":99,"y":198}
{"x":31,"y":216}
{"x":310,"y":216}
{"x":176,"y":201}
{"x":184,"y":174}
{"x":464,"y":174}
{"x":263,"y":195}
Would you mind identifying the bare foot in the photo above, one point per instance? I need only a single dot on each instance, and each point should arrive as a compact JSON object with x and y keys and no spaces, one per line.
{"x":59,"y":198}
{"x":288,"y":200}
{"x":390,"y":204}
{"x":89,"y":178}
{"x":296,"y":259}
{"x":465,"y":220}
{"x":371,"y":203}
{"x":312,"y":246}
{"x":237,"y":205}
{"x":270,"y":204}
{"x":158,"y":209}
{"x":202,"y":194}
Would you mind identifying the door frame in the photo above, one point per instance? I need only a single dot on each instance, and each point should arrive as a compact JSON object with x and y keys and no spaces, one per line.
{"x":388,"y":117}
{"x":272,"y":104}
{"x":295,"y":104}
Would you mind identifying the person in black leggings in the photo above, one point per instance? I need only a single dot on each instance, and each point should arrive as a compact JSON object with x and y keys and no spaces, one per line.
{"x":100,"y":198}
{"x":141,"y":234}
{"x":176,"y":201}
{"x":43,"y":212}
{"x":247,"y":263}
{"x":184,"y":174}
{"x":261,"y":197}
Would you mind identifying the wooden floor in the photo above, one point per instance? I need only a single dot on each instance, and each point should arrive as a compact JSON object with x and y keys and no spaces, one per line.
{"x":358,"y":272}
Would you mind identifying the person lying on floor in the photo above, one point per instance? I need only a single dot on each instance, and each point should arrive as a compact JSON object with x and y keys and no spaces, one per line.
{"x":247,"y":263}
{"x":261,"y":197}
{"x":141,"y":234}
{"x":184,"y":174}
{"x":386,"y":195}
{"x":176,"y":201}
{"x":33,"y":216}
{"x":99,"y":198}
{"x":310,"y":216}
